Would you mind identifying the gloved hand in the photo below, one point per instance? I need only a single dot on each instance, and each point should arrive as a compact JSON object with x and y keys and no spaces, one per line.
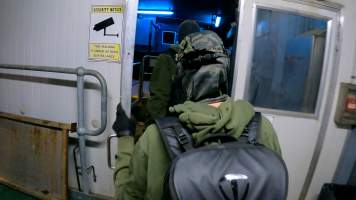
{"x":195,"y":113}
{"x":123,"y":126}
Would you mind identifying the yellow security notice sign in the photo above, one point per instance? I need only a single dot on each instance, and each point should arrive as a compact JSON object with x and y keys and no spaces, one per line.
{"x":107,"y":9}
{"x":105,"y":52}
{"x":105,"y":33}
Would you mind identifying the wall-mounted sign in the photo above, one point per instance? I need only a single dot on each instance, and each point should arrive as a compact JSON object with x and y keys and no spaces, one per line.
{"x":105,"y":32}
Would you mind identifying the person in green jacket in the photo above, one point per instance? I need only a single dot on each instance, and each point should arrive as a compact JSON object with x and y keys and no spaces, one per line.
{"x":163,"y":73}
{"x":141,"y":167}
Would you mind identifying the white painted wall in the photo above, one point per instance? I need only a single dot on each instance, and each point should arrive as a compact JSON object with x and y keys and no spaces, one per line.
{"x":56,"y":33}
{"x":335,"y":137}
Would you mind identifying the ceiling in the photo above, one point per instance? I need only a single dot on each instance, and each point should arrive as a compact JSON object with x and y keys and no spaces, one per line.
{"x":221,"y":7}
{"x":202,"y":11}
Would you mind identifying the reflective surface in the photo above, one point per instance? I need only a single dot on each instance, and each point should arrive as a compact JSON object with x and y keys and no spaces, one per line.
{"x":287,"y":61}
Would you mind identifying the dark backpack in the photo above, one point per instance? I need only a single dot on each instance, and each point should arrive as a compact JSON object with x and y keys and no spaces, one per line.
{"x":202,"y":68}
{"x":226,"y":169}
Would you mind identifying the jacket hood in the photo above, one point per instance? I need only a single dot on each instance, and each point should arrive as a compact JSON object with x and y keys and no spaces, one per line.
{"x":230,"y":117}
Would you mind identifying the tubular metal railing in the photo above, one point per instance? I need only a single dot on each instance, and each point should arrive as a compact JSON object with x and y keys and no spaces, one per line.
{"x":81,"y":130}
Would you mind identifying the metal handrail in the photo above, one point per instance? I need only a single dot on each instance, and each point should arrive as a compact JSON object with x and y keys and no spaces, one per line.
{"x":81,"y":130}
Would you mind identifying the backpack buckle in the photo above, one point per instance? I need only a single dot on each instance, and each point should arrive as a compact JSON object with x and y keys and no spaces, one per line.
{"x":182,"y":139}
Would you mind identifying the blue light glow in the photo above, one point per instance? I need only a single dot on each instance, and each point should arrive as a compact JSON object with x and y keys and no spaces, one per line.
{"x":155,"y":12}
{"x":217,"y":21}
{"x":163,"y":5}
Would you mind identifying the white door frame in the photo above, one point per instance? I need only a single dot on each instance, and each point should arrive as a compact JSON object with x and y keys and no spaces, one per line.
{"x":244,"y":53}
{"x":128,"y":49}
{"x":243,"y":59}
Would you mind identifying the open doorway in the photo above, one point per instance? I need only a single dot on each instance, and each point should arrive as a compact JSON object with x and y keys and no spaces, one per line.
{"x":157,"y":31}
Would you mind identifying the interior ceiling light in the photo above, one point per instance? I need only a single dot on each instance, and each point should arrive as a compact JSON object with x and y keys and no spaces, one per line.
{"x":217,"y":21}
{"x":155,"y":12}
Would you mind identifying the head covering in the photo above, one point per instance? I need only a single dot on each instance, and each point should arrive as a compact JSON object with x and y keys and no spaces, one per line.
{"x":202,"y":68}
{"x":187,"y":27}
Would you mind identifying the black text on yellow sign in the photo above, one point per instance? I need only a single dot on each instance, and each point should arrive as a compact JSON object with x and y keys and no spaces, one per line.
{"x":102,"y":51}
{"x":107,"y":9}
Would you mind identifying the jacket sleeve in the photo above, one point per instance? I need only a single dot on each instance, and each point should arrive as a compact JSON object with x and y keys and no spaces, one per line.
{"x":160,"y":86}
{"x":268,"y":136}
{"x":131,"y":170}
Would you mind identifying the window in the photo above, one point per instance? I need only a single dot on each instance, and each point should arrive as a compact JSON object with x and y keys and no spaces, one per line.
{"x":287,"y":61}
{"x":168,"y":37}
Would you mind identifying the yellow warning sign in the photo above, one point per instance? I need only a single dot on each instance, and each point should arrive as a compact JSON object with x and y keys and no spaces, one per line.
{"x":102,"y":51}
{"x":105,"y":36}
{"x":107,"y":9}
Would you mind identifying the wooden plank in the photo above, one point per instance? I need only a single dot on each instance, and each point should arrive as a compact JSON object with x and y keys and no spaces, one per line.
{"x":39,"y":122}
{"x":34,"y":156}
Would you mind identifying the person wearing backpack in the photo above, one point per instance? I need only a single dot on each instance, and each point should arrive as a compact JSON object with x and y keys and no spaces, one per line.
{"x":143,"y":170}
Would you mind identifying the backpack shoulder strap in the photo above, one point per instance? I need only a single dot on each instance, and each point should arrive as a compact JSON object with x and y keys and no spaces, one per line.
{"x":174,"y":136}
{"x":253,"y":129}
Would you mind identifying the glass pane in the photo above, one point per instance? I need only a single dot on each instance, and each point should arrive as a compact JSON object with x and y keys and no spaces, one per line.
{"x":287,"y":61}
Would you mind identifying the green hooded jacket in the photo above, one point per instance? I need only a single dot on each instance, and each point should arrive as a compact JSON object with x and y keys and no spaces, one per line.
{"x":140,"y":168}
